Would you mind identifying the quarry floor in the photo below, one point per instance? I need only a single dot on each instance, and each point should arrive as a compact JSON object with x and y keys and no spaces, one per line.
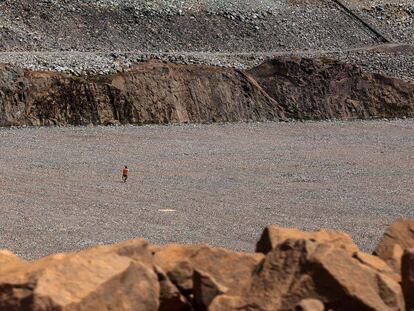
{"x":61,"y":189}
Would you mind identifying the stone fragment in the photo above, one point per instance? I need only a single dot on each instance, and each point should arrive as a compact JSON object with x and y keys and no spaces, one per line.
{"x":206,"y":288}
{"x":310,"y":305}
{"x":100,"y":278}
{"x":274,"y":235}
{"x":170,"y":297}
{"x":230,"y":269}
{"x":8,"y":259}
{"x":407,"y":273}
{"x":302,"y":269}
{"x":398,"y":237}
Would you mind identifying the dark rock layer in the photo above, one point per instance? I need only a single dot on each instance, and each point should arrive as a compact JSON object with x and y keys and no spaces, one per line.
{"x":161,"y":93}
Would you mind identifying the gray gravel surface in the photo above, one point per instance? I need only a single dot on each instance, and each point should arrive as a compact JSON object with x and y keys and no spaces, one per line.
{"x":217,"y":184}
{"x":395,"y":18}
{"x":163,"y":26}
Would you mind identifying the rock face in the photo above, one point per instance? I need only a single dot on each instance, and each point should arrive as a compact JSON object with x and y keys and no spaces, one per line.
{"x":308,"y":271}
{"x":155,"y":92}
{"x":298,"y":269}
{"x":274,"y":235}
{"x":407,"y":271}
{"x":102,"y":278}
{"x":151,"y":93}
{"x":397,"y":238}
{"x":323,"y":89}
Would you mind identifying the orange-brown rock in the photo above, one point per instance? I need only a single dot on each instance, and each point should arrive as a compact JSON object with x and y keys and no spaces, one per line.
{"x":101,"y":278}
{"x":274,"y":235}
{"x":398,"y":237}
{"x":202,"y":272}
{"x":302,"y":269}
{"x":175,"y":261}
{"x":377,"y":264}
{"x":407,"y":272}
{"x":170,"y":297}
{"x":7,"y":259}
{"x":206,"y":288}
{"x":310,"y":305}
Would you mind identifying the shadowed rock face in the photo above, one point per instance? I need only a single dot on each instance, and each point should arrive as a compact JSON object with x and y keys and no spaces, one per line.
{"x":150,"y":93}
{"x":323,"y":89}
{"x":321,"y":270}
{"x":398,"y":237}
{"x":165,"y":93}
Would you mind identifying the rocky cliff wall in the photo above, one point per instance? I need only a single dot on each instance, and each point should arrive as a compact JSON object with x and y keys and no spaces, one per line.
{"x":162,"y":93}
{"x":323,"y":89}
{"x":150,"y":93}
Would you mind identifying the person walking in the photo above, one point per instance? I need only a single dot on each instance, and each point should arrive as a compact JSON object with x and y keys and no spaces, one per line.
{"x":125,"y":173}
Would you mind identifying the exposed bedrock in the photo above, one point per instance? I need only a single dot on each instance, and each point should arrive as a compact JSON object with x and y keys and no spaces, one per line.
{"x":161,"y":93}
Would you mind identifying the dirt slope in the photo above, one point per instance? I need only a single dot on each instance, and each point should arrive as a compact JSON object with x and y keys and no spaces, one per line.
{"x":156,"y":92}
{"x":161,"y":26}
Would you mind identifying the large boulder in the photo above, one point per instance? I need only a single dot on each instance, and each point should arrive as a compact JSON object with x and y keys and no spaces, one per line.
{"x":8,"y":259}
{"x":397,"y":238}
{"x":301,"y":269}
{"x":201,"y":273}
{"x":102,"y":278}
{"x":407,"y":273}
{"x":274,"y":235}
{"x":171,"y":298}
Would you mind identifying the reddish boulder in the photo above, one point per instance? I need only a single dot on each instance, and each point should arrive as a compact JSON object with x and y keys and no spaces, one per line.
{"x":274,"y":235}
{"x":8,"y":259}
{"x":302,"y":269}
{"x":206,"y":288}
{"x":170,"y":297}
{"x":398,"y":237}
{"x":201,"y":273}
{"x":310,"y":305}
{"x":407,"y":273}
{"x":101,"y":278}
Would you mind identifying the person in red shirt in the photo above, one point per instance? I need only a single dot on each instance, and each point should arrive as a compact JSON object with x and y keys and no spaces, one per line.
{"x":125,"y":174}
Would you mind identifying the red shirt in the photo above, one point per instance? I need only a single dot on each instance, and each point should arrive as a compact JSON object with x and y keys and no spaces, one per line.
{"x":125,"y":172}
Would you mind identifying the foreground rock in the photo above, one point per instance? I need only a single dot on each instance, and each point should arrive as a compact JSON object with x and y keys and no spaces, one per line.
{"x":397,"y":238}
{"x":160,"y":93}
{"x":120,"y":277}
{"x":310,"y":271}
{"x":407,"y":271}
{"x":274,"y":235}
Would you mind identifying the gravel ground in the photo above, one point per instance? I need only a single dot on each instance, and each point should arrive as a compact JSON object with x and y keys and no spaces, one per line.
{"x":395,"y":18}
{"x":217,"y":184}
{"x":234,"y":26}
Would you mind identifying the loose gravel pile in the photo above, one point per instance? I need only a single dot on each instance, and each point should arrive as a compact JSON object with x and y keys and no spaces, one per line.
{"x":236,"y":26}
{"x":394,"y":18}
{"x":107,"y":36}
{"x":219,"y":184}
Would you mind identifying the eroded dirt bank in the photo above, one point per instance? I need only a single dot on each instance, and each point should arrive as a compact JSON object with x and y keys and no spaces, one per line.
{"x":161,"y":93}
